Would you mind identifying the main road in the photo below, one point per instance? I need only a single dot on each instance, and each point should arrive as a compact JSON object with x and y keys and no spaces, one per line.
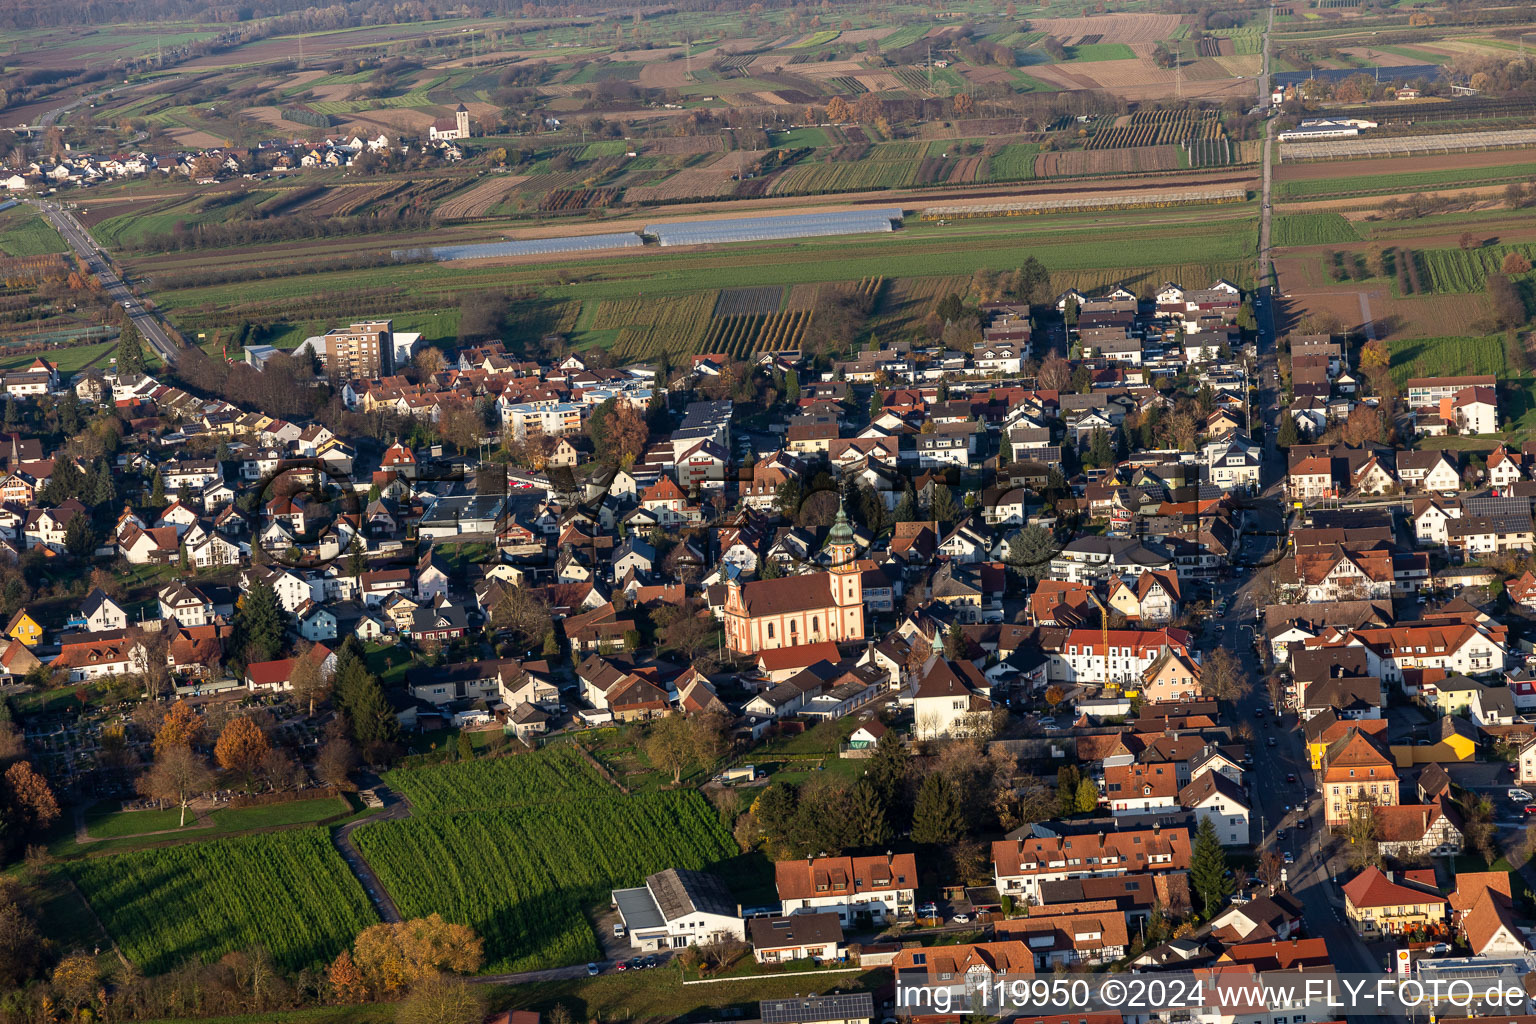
{"x":149,"y":324}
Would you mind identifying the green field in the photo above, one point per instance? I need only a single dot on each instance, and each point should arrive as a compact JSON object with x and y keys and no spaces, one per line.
{"x":525,"y":867}
{"x":555,"y":775}
{"x":24,"y":233}
{"x":1460,"y":271}
{"x":1447,"y":357}
{"x":129,"y":230}
{"x":1099,"y":51}
{"x":1385,"y":184}
{"x":68,"y":360}
{"x":1312,"y":229}
{"x":1013,"y":162}
{"x":288,"y":891}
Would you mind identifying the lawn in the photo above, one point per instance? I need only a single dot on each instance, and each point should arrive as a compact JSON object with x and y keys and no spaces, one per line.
{"x":24,"y":233}
{"x":116,"y":824}
{"x":116,"y":832}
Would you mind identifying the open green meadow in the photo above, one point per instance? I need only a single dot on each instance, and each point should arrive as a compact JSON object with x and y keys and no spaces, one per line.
{"x":25,"y":233}
{"x":1312,"y":229}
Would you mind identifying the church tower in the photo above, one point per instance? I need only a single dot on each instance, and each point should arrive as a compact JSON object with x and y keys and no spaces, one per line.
{"x":846,"y":579}
{"x":461,"y":121}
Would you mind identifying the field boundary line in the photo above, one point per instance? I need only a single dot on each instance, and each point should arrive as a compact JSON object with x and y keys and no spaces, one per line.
{"x":791,"y":974}
{"x":99,"y":926}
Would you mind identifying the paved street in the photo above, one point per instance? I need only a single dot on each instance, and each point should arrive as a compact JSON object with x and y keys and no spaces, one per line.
{"x":149,"y":324}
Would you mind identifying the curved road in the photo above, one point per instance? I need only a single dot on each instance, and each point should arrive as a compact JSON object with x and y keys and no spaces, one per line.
{"x":149,"y":324}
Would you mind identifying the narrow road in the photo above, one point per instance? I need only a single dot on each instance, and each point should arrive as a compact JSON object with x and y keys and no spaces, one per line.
{"x":149,"y":324}
{"x":1265,"y":267}
{"x":383,"y":902}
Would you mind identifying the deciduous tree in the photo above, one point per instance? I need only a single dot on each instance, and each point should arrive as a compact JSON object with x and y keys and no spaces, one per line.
{"x":442,"y":1000}
{"x":178,"y":776}
{"x":241,"y":746}
{"x":1222,"y":676}
{"x":179,"y":728}
{"x":29,"y":797}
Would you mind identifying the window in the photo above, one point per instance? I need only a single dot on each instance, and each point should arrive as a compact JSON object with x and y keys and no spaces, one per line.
{"x":770,"y":631}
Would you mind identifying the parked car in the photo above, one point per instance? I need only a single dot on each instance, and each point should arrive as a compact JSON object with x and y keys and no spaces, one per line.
{"x":1290,"y":776}
{"x":1520,"y":796}
{"x":650,"y":961}
{"x":618,"y":929}
{"x":621,"y":966}
{"x":1530,"y":808}
{"x":635,"y":963}
{"x":1301,"y":822}
{"x":1271,"y":741}
{"x":1439,"y":949}
{"x":1290,"y":858}
{"x":961,"y":919}
{"x":591,"y":970}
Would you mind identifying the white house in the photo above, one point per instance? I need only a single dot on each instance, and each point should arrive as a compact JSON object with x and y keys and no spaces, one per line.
{"x":677,"y":908}
{"x":863,"y":891}
{"x":1213,"y":795}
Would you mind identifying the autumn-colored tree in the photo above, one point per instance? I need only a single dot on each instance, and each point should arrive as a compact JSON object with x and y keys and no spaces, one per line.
{"x":393,"y":957}
{"x":30,"y":796}
{"x":429,"y":362}
{"x":179,"y":728}
{"x":336,"y":761}
{"x":628,"y":433}
{"x":963,"y":104}
{"x":1374,"y":357}
{"x":241,"y":746}
{"x":347,"y":984}
{"x":1363,"y":424}
{"x":1516,"y":263}
{"x":76,"y":980}
{"x":838,"y":111}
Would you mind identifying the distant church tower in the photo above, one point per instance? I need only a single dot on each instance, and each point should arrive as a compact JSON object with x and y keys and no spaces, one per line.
{"x":461,"y":121}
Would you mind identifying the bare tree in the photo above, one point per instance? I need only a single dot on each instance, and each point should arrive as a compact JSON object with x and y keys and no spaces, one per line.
{"x":178,"y":776}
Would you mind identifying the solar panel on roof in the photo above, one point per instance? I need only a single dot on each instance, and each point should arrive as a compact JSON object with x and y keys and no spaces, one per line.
{"x":521,"y":247}
{"x":751,"y":229}
{"x":844,"y":1006}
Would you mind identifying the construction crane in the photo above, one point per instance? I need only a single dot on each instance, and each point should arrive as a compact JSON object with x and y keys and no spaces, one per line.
{"x":1104,"y":630}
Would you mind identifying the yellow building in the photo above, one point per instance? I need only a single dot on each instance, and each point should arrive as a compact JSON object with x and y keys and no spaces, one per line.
{"x":24,"y":627}
{"x":1457,"y":742}
{"x":1379,"y":904}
